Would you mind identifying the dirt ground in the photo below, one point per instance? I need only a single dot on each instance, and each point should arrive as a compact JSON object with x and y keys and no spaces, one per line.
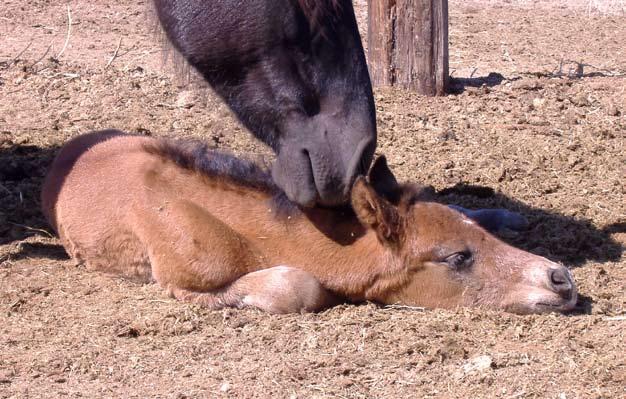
{"x":539,"y":117}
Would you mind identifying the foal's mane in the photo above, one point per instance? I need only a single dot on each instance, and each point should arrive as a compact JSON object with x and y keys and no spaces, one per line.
{"x":198,"y":157}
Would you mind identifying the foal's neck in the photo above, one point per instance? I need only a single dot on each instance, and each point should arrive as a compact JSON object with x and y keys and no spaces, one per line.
{"x":345,"y":256}
{"x":329,"y":243}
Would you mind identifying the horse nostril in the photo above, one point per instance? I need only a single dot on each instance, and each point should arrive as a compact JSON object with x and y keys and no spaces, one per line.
{"x":561,"y":282}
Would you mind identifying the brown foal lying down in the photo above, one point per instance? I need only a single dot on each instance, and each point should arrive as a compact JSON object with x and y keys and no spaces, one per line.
{"x":214,"y":230}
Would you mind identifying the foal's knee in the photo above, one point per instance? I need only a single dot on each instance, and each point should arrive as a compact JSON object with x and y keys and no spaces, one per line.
{"x":284,"y":289}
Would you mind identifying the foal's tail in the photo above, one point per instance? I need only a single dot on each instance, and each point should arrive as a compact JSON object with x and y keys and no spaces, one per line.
{"x":62,"y":166}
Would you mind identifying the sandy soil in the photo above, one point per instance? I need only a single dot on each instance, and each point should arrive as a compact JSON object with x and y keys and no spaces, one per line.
{"x":539,"y":118}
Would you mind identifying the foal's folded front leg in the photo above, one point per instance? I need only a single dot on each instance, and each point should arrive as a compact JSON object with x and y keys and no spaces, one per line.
{"x":198,"y":258}
{"x":280,"y":289}
{"x":284,"y":289}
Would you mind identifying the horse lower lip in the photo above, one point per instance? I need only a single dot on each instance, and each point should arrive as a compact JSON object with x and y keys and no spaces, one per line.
{"x":316,"y":187}
{"x":295,"y":176}
{"x":330,"y":199}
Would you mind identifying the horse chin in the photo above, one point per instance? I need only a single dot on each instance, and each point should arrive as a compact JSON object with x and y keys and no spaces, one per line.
{"x":332,"y":198}
{"x":307,"y":181}
{"x":539,"y":301}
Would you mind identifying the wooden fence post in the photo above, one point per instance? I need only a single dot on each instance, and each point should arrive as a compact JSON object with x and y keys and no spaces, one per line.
{"x":408,"y":44}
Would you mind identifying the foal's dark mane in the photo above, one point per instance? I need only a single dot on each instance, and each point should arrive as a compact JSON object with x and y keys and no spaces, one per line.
{"x":198,"y":157}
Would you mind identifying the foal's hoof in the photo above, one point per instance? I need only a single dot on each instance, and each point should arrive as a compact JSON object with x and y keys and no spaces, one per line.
{"x":495,"y":219}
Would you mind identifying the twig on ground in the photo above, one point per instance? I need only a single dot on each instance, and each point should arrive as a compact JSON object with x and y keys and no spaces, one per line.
{"x":32,"y":229}
{"x":14,"y":60}
{"x":117,"y":49}
{"x":168,"y":106}
{"x":576,"y":70}
{"x":405,"y":307}
{"x":69,"y":32}
{"x":43,"y":56}
{"x":40,"y":26}
{"x":616,"y":318}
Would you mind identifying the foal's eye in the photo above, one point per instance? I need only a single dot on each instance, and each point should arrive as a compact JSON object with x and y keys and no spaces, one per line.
{"x":459,"y":260}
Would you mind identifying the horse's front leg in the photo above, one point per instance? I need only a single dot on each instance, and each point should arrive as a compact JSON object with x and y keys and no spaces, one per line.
{"x":494,"y":220}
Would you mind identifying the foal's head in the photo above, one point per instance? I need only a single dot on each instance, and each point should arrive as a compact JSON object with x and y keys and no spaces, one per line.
{"x":451,"y":261}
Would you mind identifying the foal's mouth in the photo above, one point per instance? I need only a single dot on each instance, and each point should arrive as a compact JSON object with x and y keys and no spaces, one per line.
{"x":553,"y":307}
{"x":538,"y":301}
{"x":560,"y":305}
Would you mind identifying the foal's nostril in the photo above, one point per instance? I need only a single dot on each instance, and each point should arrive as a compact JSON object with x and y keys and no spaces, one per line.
{"x":561,"y":282}
{"x":558,"y":277}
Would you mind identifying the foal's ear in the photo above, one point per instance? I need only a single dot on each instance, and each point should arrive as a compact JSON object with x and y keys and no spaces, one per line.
{"x":383,"y":180}
{"x":375,"y":212}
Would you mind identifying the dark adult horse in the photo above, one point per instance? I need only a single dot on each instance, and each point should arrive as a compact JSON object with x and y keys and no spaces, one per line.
{"x":294,"y":73}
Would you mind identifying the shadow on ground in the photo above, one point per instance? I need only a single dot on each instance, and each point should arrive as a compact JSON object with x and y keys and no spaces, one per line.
{"x":22,"y":169}
{"x":458,"y":85}
{"x":558,"y":237}
{"x":34,"y":248}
